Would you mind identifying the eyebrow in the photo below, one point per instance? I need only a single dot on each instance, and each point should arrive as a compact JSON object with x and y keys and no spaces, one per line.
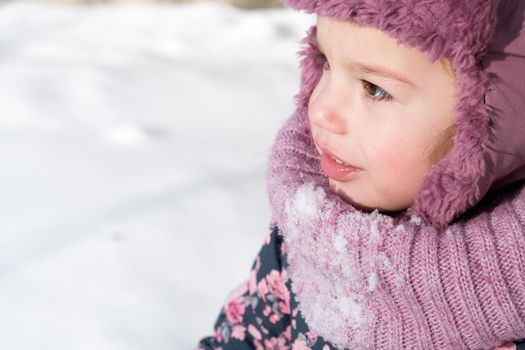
{"x":370,"y":69}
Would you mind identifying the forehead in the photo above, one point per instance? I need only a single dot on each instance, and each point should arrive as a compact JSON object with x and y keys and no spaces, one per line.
{"x":329,"y":28}
{"x":349,"y":43}
{"x":352,"y":38}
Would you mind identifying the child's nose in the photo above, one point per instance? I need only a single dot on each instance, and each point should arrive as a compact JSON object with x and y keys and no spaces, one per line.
{"x":327,"y":110}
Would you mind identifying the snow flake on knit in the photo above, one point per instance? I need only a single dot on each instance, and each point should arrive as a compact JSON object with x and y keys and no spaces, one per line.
{"x":415,"y":219}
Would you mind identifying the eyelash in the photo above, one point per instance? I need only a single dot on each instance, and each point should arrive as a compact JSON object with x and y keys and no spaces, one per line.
{"x":383,"y":95}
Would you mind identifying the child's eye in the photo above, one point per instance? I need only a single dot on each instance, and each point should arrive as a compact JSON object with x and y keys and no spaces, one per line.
{"x":375,"y":93}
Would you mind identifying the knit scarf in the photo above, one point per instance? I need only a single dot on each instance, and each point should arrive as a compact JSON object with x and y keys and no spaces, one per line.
{"x":369,"y":280}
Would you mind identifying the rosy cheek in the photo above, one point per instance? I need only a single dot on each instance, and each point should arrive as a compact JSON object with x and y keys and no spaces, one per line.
{"x":394,"y":154}
{"x":388,"y":162}
{"x":387,"y":158}
{"x":394,"y":172}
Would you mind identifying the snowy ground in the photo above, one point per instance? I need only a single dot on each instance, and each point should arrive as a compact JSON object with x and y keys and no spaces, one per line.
{"x":133,"y":143}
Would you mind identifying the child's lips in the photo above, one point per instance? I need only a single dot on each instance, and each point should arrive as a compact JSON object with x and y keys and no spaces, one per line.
{"x":337,"y":169}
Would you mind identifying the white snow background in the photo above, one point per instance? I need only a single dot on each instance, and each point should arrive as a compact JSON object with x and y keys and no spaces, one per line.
{"x":133,"y":147}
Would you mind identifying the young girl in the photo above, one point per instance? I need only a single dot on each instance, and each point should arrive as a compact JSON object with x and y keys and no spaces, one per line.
{"x":397,"y":185}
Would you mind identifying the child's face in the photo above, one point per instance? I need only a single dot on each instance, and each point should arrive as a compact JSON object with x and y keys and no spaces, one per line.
{"x":365,"y":117}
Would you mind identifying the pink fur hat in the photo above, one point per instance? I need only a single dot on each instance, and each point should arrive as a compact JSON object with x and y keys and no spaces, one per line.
{"x":484,"y":41}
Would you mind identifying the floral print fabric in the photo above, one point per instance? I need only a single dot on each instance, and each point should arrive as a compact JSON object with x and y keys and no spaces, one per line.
{"x":262,"y":313}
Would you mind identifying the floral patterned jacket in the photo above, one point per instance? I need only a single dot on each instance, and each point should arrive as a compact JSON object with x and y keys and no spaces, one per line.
{"x":263,"y":312}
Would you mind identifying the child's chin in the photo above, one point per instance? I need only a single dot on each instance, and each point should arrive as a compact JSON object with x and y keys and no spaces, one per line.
{"x":359,"y":204}
{"x":343,"y":194}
